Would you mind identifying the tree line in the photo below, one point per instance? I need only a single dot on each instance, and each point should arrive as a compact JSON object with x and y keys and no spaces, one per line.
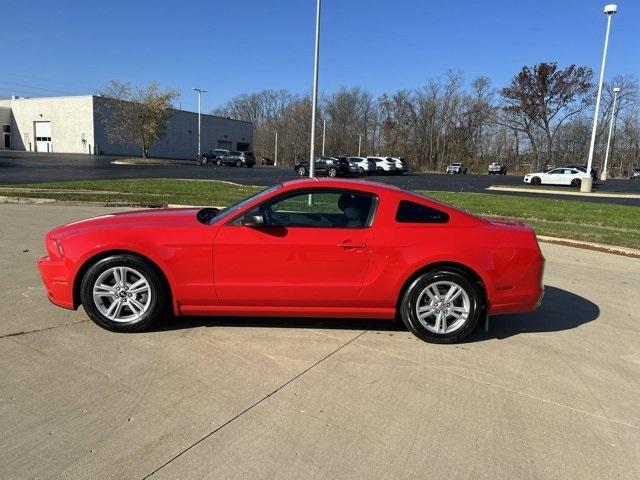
{"x":543,"y":117}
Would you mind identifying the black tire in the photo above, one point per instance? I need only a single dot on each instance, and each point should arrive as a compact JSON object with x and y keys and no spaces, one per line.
{"x":301,"y":171}
{"x":158,"y":301}
{"x":219,"y":162}
{"x":536,"y":181}
{"x":361,"y":171}
{"x":576,"y":182}
{"x":414,"y":292}
{"x":238,"y":163}
{"x":332,"y":172}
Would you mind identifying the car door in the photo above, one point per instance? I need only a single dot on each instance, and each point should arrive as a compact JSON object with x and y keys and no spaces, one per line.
{"x":308,"y":253}
{"x":565,"y":176}
{"x":551,"y":177}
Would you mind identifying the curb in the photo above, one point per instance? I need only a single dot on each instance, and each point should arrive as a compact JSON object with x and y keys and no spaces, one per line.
{"x":500,"y":188}
{"x":598,"y":247}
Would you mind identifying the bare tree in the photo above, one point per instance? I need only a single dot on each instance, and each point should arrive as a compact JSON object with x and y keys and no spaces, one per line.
{"x":141,"y":114}
{"x":542,"y":98}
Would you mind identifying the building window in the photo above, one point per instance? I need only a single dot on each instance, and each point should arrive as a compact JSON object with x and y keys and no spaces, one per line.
{"x":6,"y":128}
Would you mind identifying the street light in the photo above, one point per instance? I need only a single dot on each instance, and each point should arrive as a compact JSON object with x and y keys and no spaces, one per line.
{"x":324,"y":134}
{"x":275,"y":156}
{"x":587,"y":182}
{"x":200,"y":91}
{"x":314,"y":95}
{"x":359,"y":143}
{"x":613,"y":119}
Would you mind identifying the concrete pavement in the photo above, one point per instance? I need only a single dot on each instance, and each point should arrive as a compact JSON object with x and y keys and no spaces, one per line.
{"x":550,"y":394}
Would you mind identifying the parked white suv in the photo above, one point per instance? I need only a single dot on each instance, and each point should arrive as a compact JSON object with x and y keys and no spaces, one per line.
{"x":384,"y":165}
{"x":365,"y":166}
{"x":402,"y":166}
{"x":457,"y":168}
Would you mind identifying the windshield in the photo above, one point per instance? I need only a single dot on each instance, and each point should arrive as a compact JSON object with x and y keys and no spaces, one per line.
{"x":234,"y":207}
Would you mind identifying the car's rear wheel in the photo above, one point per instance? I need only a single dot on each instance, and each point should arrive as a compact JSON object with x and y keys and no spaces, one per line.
{"x":536,"y":181}
{"x":441,"y":306}
{"x":576,"y":182}
{"x":219,"y":162}
{"x":123,"y":293}
{"x":301,"y":171}
{"x":332,"y":172}
{"x":238,"y":163}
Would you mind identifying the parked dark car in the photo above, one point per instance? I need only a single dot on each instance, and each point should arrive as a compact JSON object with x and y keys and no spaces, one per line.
{"x":266,"y":161}
{"x":211,"y":157}
{"x":329,"y":166}
{"x":237,"y":159}
{"x":497,"y":168}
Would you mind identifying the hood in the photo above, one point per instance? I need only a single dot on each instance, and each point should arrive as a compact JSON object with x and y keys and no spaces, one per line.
{"x":137,"y":218}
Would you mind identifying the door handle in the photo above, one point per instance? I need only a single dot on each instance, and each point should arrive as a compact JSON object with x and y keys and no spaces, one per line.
{"x":352,"y":245}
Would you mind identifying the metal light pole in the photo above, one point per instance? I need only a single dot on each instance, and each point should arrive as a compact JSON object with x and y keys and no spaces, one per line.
{"x":314,"y":94}
{"x":359,"y":143}
{"x":275,"y":156}
{"x":613,"y":119}
{"x":587,"y":182}
{"x":200,"y":91}
{"x":324,"y":134}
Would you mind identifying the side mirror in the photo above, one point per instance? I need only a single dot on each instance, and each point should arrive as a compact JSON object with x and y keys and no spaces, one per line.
{"x":250,"y":220}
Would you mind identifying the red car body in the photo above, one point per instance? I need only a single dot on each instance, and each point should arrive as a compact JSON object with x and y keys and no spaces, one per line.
{"x":223,"y":269}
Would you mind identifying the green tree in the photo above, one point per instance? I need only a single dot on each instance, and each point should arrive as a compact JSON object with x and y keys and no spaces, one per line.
{"x":141,"y":114}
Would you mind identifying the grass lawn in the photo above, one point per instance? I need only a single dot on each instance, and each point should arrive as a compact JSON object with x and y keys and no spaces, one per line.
{"x":596,"y":222}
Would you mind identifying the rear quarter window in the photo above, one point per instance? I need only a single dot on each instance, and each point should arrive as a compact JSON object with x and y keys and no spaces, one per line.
{"x":411,"y":212}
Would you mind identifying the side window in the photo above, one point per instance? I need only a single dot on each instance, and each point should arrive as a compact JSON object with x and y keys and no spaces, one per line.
{"x":320,"y":209}
{"x":410,"y":212}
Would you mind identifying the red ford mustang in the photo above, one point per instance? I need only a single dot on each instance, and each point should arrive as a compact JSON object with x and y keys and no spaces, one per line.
{"x":321,"y":248}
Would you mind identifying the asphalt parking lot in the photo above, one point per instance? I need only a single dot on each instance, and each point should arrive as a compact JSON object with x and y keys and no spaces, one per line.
{"x":29,"y":167}
{"x":553,"y":394}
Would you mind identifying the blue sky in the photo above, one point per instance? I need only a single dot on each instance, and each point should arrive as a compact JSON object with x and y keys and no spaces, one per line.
{"x":239,"y":46}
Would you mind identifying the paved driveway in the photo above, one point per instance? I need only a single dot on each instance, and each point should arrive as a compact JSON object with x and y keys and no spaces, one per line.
{"x":548,"y":395}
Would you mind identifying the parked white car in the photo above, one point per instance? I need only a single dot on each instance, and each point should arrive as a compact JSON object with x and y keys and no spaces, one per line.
{"x":365,"y":166}
{"x":384,"y":165}
{"x":457,"y":169}
{"x":402,"y":166}
{"x":557,"y":176}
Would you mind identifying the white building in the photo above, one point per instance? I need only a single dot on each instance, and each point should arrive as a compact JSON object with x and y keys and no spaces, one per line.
{"x":76,"y":125}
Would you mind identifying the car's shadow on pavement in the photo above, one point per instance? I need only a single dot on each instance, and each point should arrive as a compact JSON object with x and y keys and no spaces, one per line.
{"x":560,"y":310}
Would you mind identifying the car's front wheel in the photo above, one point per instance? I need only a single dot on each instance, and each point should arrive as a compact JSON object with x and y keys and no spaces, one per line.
{"x":536,"y":181}
{"x":238,"y":163}
{"x":441,"y":306}
{"x":576,"y":182}
{"x":123,"y":293}
{"x":332,"y":172}
{"x":219,"y":162}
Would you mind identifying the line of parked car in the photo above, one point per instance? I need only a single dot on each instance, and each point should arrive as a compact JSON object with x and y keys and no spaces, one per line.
{"x":354,"y":166}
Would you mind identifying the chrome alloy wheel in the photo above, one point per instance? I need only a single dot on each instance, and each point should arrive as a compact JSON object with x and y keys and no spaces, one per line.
{"x":122,"y":294}
{"x":443,"y":307}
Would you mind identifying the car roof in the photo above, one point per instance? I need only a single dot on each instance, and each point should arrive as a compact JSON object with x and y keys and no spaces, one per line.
{"x":340,"y":183}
